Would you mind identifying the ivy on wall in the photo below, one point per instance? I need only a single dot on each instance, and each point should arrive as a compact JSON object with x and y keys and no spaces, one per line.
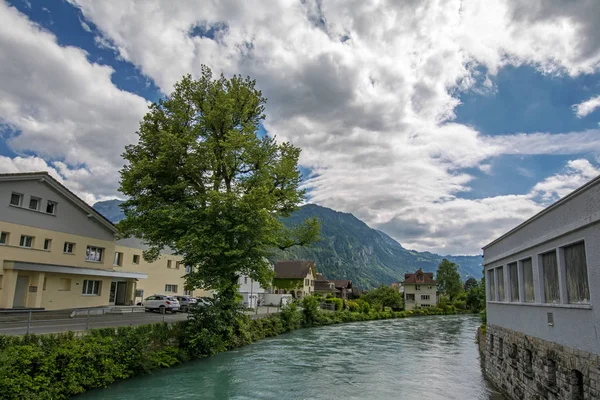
{"x":288,"y":284}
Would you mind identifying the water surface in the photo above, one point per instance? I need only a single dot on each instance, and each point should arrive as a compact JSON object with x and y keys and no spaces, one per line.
{"x":413,"y":358}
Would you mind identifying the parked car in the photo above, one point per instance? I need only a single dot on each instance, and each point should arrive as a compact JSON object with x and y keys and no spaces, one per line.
{"x":162,"y":303}
{"x":185,"y":302}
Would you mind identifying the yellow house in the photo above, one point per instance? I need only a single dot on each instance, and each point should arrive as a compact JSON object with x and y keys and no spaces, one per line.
{"x":55,"y":250}
{"x":166,"y":275}
{"x":295,"y":277}
{"x":420,"y":290}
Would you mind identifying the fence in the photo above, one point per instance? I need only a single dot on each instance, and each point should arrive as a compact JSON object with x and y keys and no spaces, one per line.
{"x":21,"y":322}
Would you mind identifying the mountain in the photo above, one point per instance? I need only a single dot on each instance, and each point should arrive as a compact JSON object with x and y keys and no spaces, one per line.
{"x":350,"y":249}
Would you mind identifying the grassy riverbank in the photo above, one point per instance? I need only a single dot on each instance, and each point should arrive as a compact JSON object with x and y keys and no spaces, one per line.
{"x":59,"y":366}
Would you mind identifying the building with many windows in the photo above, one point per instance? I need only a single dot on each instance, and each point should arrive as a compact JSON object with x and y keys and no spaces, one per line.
{"x":543,"y":280}
{"x":420,"y":290}
{"x":57,"y":252}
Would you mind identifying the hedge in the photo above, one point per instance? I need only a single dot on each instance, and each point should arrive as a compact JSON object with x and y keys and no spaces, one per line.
{"x":58,"y":366}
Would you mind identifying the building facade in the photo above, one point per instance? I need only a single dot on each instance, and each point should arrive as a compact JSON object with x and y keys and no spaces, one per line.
{"x":295,"y":277}
{"x":420,"y":290}
{"x":543,"y":279}
{"x":57,"y":252}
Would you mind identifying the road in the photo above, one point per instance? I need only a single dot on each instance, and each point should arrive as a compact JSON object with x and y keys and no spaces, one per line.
{"x":60,"y":321}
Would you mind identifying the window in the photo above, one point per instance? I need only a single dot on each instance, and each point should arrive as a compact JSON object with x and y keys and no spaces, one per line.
{"x":491,"y":285}
{"x":306,"y":282}
{"x":69,"y":248}
{"x":169,"y":263}
{"x":500,"y":348}
{"x":245,"y":280}
{"x":500,"y":286}
{"x":3,"y":237}
{"x":528,"y":281}
{"x":550,"y":271}
{"x":492,"y":344}
{"x":91,"y":288}
{"x":418,"y":287}
{"x":188,"y":269}
{"x":425,"y":305}
{"x":410,"y":297}
{"x":26,"y":241}
{"x":64,"y":284}
{"x":528,"y":362}
{"x":51,"y":207}
{"x":187,"y":292}
{"x":514,"y":282}
{"x":576,"y":383}
{"x":47,"y":244}
{"x":576,"y":270}
{"x":424,"y":297}
{"x":34,"y":203}
{"x":118,"y":259}
{"x":178,"y":264}
{"x":170,"y":288}
{"x":94,"y":254}
{"x":15,"y":199}
{"x":136,"y":258}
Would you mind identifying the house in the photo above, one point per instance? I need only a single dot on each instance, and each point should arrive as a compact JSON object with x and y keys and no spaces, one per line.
{"x":420,"y":290}
{"x":399,"y":287}
{"x":542,"y":289}
{"x":166,"y":275}
{"x":324,"y":286}
{"x":57,"y":252}
{"x":251,"y":290}
{"x":295,"y":277}
{"x":343,"y":288}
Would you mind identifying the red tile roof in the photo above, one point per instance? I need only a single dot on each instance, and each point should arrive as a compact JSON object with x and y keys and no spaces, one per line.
{"x":420,"y":277}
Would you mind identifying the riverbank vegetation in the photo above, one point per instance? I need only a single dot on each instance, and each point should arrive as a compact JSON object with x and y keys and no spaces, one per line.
{"x":58,"y":366}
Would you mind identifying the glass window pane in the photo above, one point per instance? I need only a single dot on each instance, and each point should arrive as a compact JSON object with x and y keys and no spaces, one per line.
{"x":577,"y":280}
{"x":550,"y":271}
{"x":491,"y":285}
{"x":500,"y":286}
{"x":528,"y":281}
{"x":514,"y":282}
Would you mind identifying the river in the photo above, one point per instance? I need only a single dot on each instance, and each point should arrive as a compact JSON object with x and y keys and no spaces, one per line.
{"x":412,"y":358}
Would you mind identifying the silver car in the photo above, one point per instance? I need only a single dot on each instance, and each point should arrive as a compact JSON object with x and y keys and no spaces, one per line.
{"x":162,"y":303}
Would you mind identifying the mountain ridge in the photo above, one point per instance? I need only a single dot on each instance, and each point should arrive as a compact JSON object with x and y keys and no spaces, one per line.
{"x":350,"y":249}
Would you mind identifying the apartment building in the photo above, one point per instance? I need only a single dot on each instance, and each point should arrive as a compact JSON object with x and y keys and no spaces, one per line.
{"x":57,"y":252}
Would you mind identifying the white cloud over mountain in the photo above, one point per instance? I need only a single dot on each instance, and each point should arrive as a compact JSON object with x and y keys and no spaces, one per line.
{"x":368,"y":89}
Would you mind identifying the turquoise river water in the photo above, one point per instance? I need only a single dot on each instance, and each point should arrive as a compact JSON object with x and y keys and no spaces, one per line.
{"x":413,"y":358}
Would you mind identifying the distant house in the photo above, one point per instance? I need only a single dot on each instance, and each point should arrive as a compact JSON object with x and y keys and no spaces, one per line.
{"x":343,"y":287}
{"x":398,"y":286}
{"x":324,"y":286}
{"x":419,"y":290}
{"x":295,"y":277}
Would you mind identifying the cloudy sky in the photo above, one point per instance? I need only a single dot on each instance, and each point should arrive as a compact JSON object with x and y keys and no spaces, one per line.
{"x":443,"y":123}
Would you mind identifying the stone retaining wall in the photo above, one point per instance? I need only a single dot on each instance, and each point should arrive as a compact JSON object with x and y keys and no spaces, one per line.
{"x":524,"y":367}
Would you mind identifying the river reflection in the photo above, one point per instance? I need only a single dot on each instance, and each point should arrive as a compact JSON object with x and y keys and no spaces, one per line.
{"x":413,"y":358}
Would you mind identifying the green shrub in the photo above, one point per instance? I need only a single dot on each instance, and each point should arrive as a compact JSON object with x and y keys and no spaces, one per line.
{"x":352,"y":305}
{"x":339,"y":303}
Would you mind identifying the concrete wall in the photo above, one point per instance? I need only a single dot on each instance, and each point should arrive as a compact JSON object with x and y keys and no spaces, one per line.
{"x":575,"y":325}
{"x":425,"y":289}
{"x":248,"y":285}
{"x":68,"y":217}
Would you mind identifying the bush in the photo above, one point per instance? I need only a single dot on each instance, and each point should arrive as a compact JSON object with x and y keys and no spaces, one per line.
{"x":483,"y":315}
{"x":352,"y":305}
{"x":339,"y":303}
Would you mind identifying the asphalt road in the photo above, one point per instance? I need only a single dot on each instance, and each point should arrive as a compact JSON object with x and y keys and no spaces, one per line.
{"x":60,"y":321}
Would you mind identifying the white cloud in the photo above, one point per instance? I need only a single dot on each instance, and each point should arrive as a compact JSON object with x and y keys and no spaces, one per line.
{"x":65,"y":108}
{"x":368,"y":89}
{"x":586,"y":107}
{"x":577,"y":173}
{"x":85,"y":26}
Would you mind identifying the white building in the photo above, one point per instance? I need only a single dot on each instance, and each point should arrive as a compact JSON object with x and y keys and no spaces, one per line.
{"x":251,"y":291}
{"x":543,"y":283}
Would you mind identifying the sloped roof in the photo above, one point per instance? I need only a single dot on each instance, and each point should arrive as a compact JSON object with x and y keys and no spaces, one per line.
{"x":343,"y":283}
{"x":321,"y":277}
{"x":419,"y":277}
{"x":45,"y":177}
{"x":293,"y":269}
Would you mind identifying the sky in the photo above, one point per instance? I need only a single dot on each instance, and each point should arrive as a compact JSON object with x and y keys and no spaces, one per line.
{"x":442,"y":123}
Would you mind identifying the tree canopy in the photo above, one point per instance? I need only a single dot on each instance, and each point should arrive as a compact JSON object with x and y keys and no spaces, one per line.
{"x":470,"y":283}
{"x":203,"y":182}
{"x":386,"y":296}
{"x":448,"y":279}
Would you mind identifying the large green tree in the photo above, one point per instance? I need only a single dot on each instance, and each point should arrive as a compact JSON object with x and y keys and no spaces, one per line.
{"x":448,"y":279}
{"x":202,"y":182}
